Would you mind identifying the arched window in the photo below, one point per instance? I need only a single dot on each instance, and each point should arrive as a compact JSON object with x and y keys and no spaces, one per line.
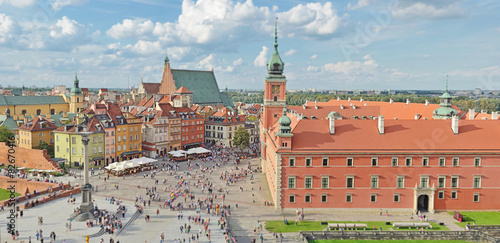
{"x":23,"y":112}
{"x":77,"y":100}
{"x":38,"y":112}
{"x":52,"y":111}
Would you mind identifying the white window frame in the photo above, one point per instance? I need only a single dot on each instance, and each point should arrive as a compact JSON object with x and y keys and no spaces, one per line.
{"x":327,"y":161}
{"x":327,"y":182}
{"x":305,"y":182}
{"x":477,"y":159}
{"x":394,"y":159}
{"x":397,"y":181}
{"x":373,"y":195}
{"x":474,"y":181}
{"x":305,"y":198}
{"x":326,"y":197}
{"x":427,"y":181}
{"x":440,"y":193}
{"x":290,"y":197}
{"x":310,"y":160}
{"x":294,"y":179}
{"x":374,"y":179}
{"x":478,"y":195}
{"x":458,"y":181}
{"x":453,"y":161}
{"x":348,"y":196}
{"x":347,"y":161}
{"x":411,"y":161}
{"x":456,"y":194}
{"x":425,"y":161}
{"x":347,"y":180}
{"x":376,"y":161}
{"x":444,"y":161}
{"x":444,"y":181}
{"x":394,"y":197}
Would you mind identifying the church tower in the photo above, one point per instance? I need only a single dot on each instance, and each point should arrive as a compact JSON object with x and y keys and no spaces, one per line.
{"x":76,"y":97}
{"x":274,"y":90}
{"x":167,"y":85}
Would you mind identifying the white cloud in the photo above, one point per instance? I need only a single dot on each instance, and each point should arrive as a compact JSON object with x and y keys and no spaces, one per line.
{"x":360,"y":4}
{"x":145,"y":47}
{"x":312,"y":68}
{"x":369,"y":66}
{"x":8,"y":28}
{"x":261,"y":59}
{"x":312,"y":20}
{"x":131,"y":28}
{"x":290,"y":52}
{"x":435,"y":9}
{"x":66,"y":34}
{"x":66,"y":27}
{"x":314,"y":57}
{"x":238,"y":62}
{"x":58,"y":4}
{"x":18,"y":3}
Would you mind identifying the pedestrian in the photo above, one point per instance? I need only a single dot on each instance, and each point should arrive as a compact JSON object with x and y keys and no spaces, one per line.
{"x":380,"y":212}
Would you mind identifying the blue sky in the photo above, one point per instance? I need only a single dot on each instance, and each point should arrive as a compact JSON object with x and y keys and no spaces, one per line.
{"x":357,"y":44}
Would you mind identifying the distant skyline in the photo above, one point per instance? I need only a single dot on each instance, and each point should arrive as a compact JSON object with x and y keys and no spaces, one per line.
{"x":352,"y":45}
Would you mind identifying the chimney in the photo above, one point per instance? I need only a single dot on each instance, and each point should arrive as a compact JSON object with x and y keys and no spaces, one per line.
{"x":342,"y":107}
{"x":390,"y":101}
{"x":338,"y":98}
{"x":426,"y":102}
{"x":65,"y":115}
{"x":407,"y":101}
{"x":361,"y":100}
{"x":349,"y":99}
{"x":315,"y":102}
{"x":307,"y":103}
{"x":25,"y":120}
{"x":65,"y":128}
{"x":365,"y":104}
{"x":417,"y":116}
{"x":381,"y":124}
{"x":354,"y":107}
{"x":472,"y":114}
{"x":484,"y":111}
{"x":494,"y":115}
{"x":454,"y":124}
{"x":332,"y":125}
{"x":316,"y":107}
{"x":304,"y":106}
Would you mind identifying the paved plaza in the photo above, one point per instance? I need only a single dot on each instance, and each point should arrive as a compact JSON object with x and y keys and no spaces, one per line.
{"x":249,"y":194}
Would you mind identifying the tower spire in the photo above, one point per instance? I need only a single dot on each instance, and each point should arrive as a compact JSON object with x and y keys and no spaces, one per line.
{"x":446,"y":83}
{"x":276,"y":34}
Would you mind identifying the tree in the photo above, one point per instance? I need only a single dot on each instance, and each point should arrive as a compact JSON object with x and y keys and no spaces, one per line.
{"x":50,"y":149}
{"x":241,"y":138}
{"x":5,"y":134}
{"x":252,"y":118}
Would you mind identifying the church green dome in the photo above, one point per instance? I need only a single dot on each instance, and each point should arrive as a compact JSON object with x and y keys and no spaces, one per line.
{"x":76,"y":90}
{"x":275,"y":66}
{"x":284,"y":121}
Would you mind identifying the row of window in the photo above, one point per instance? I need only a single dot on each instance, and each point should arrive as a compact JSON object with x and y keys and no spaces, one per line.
{"x":192,"y":123}
{"x":373,"y":197}
{"x":125,"y":138}
{"x":125,"y":129}
{"x":374,"y":183}
{"x":394,"y":161}
{"x":186,"y":138}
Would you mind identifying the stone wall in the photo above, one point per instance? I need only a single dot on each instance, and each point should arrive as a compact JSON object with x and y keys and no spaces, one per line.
{"x":29,"y":158}
{"x":393,"y":235}
{"x":27,"y":185}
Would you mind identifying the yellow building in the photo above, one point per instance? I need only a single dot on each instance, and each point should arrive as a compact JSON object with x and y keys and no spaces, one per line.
{"x":128,"y":135}
{"x":33,"y":132}
{"x":21,"y":106}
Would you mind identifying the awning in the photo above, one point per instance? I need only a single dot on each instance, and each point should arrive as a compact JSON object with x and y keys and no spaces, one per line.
{"x":130,"y":153}
{"x":98,"y":158}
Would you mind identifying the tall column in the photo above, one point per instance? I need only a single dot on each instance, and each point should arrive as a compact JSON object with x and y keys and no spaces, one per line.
{"x":87,"y":207}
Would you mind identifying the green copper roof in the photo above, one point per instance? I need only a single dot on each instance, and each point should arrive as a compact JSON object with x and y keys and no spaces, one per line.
{"x":284,"y":121}
{"x":30,"y":100}
{"x":59,"y":119}
{"x":76,"y":90}
{"x":166,"y":59}
{"x":444,"y":111}
{"x":275,"y":66}
{"x":9,"y":123}
{"x":226,"y":99}
{"x":201,"y":83}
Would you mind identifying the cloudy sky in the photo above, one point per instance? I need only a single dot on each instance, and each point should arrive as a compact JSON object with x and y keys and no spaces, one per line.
{"x":356,"y":44}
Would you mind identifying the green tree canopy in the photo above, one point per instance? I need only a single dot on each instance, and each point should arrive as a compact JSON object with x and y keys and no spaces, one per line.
{"x":5,"y":134}
{"x":241,"y":138}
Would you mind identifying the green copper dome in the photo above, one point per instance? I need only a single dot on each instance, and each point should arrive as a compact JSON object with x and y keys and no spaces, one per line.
{"x":445,"y":111}
{"x":275,"y":66}
{"x":76,"y":90}
{"x":284,"y":120}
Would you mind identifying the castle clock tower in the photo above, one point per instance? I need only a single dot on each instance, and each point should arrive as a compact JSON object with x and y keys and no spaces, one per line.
{"x":274,"y":91}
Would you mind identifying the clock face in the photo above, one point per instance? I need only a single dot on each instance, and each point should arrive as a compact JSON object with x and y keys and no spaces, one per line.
{"x":276,"y":89}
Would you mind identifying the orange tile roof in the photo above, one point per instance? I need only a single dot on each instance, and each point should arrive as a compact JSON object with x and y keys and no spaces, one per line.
{"x":401,"y":136}
{"x":183,"y":90}
{"x":38,"y":124}
{"x":401,"y":110}
{"x":165,"y":99}
{"x":347,"y":113}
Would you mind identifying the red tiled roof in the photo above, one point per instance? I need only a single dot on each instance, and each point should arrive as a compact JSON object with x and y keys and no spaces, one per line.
{"x":38,"y":124}
{"x":401,"y":136}
{"x":400,"y":110}
{"x":183,"y":90}
{"x":164,"y":99}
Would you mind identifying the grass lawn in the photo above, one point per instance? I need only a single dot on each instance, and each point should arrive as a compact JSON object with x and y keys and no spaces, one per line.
{"x":481,"y":218}
{"x":381,"y":241}
{"x":5,"y":194}
{"x":279,"y":227}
